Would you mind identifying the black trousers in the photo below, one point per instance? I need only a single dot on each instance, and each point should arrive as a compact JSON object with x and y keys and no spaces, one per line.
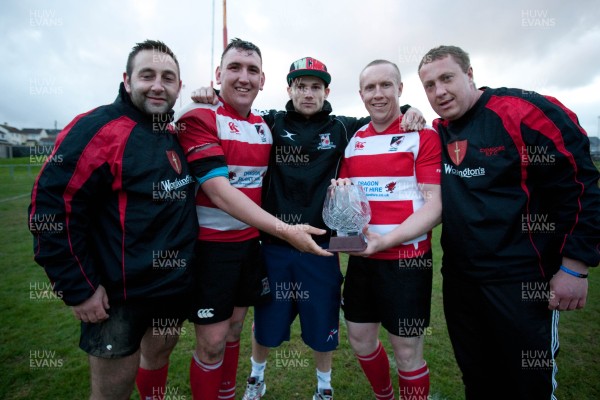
{"x":505,"y":339}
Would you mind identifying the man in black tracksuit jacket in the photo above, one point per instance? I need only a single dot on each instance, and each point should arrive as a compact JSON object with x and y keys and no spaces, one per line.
{"x":114,"y":223}
{"x":520,"y":226}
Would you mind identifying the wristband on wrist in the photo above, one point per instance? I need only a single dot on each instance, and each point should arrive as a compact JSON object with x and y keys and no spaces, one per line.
{"x":573,"y":273}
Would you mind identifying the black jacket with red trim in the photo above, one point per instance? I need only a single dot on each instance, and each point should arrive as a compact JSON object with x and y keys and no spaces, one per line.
{"x":114,"y":205}
{"x":519,"y":189}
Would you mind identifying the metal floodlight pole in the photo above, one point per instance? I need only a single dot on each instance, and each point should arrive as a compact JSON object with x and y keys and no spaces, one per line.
{"x":212,"y":46}
{"x":224,"y":24}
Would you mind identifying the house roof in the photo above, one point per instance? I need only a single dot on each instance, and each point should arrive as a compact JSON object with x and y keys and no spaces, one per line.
{"x":10,"y":128}
{"x":31,"y":130}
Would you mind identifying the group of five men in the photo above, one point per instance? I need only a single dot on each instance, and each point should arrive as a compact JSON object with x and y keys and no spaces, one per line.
{"x":205,"y":217}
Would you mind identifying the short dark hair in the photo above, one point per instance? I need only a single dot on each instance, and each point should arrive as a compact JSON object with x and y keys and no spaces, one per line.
{"x":379,"y":62}
{"x":459,"y":55}
{"x":154,"y":45}
{"x":240,"y":44}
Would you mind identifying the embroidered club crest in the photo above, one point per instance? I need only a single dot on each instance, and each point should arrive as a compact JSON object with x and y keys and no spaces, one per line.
{"x":457,"y":151}
{"x":395,"y":142}
{"x":325,"y":141}
{"x":266,"y":289}
{"x":174,"y":161}
{"x":261,"y":132}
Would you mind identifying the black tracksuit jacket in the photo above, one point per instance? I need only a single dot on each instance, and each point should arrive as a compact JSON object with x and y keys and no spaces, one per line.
{"x":305,"y":156}
{"x":519,"y":189}
{"x":114,"y":205}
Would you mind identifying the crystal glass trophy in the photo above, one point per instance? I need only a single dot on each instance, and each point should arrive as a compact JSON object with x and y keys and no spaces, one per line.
{"x":346,"y":210}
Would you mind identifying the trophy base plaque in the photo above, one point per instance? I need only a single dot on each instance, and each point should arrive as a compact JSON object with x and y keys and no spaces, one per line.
{"x":347,"y":244}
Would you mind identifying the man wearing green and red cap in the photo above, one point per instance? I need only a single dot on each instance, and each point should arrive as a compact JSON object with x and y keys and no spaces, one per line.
{"x":308,"y":144}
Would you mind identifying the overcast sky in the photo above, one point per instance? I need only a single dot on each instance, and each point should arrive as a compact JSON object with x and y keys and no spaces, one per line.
{"x":62,"y":58}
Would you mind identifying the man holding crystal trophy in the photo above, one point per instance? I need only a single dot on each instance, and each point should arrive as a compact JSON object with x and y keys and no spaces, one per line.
{"x":390,"y":180}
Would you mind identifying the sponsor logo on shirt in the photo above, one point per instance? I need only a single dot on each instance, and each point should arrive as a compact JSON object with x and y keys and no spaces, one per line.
{"x":233,"y":128}
{"x":168,"y":185}
{"x":166,"y":190}
{"x":359,"y":145}
{"x":390,"y":187}
{"x":325,"y":142}
{"x":332,"y":334}
{"x":464,"y":173}
{"x":289,"y":135}
{"x":372,"y":188}
{"x":206,"y":313}
{"x":247,"y":178}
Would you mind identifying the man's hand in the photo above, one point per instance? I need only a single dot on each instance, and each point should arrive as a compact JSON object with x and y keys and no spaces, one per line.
{"x":93,"y":309}
{"x":375,"y":244}
{"x":567,"y":292}
{"x":205,"y":95}
{"x":413,"y":120}
{"x":300,"y":237}
{"x":341,"y":182}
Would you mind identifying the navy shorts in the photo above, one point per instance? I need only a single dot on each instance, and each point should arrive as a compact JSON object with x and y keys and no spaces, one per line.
{"x":121,"y":334}
{"x":227,"y":275}
{"x":302,"y":284}
{"x":396,"y":293}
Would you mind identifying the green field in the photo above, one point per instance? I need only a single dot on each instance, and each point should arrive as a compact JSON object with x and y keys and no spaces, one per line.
{"x":40,"y":358}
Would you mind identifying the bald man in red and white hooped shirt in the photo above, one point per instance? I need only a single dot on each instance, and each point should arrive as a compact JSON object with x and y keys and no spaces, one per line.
{"x":389,"y":283}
